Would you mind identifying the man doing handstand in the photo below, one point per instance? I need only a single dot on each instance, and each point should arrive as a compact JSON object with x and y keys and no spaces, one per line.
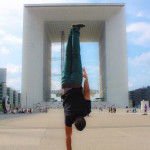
{"x":76,"y":100}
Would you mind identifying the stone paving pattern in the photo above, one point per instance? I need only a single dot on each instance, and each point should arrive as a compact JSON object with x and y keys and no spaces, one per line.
{"x":104,"y":131}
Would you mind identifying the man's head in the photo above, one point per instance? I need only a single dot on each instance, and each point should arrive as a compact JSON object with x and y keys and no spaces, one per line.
{"x":80,"y":123}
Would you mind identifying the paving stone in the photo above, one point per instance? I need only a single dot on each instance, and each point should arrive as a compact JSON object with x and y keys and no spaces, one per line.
{"x":104,"y":131}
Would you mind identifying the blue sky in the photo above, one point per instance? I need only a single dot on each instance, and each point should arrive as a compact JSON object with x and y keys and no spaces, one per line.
{"x":138,"y":42}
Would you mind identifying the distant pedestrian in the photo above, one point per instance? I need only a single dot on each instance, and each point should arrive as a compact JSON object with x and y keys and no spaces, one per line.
{"x":135,"y":110}
{"x":8,"y":106}
{"x":127,"y":109}
{"x":145,"y":109}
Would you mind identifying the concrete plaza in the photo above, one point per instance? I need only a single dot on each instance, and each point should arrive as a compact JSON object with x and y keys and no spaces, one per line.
{"x":104,"y":131}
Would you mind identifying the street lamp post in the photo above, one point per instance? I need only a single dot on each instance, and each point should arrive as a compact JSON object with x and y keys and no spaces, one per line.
{"x":26,"y":100}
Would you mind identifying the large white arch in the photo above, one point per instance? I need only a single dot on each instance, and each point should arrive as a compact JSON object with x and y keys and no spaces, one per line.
{"x":42,"y":25}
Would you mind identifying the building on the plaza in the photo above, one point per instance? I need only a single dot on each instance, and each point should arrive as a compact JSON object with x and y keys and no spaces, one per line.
{"x":138,"y":95}
{"x":15,"y":99}
{"x":3,"y":93}
{"x":19,"y":100}
{"x":10,"y":94}
{"x":42,"y":26}
{"x":3,"y":72}
{"x":13,"y":96}
{"x":3,"y":90}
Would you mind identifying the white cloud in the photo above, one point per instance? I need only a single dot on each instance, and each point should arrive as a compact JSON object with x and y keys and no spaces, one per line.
{"x":56,"y":47}
{"x":139,"y":33}
{"x":139,"y":80}
{"x":143,"y":14}
{"x":139,"y":71}
{"x":142,"y":60}
{"x":14,"y":76}
{"x":11,"y":68}
{"x":2,"y":33}
{"x":11,"y":13}
{"x":56,"y":71}
{"x":11,"y":6}
{"x":130,"y":84}
{"x":138,"y":26}
{"x":14,"y":83}
{"x":140,"y":14}
{"x":7,"y":38}
{"x":4,"y":50}
{"x":92,"y":69}
{"x":56,"y":85}
{"x":11,"y":39}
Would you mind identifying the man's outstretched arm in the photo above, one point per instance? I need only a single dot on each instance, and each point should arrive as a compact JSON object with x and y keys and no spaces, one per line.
{"x":86,"y":86}
{"x":68,"y":137}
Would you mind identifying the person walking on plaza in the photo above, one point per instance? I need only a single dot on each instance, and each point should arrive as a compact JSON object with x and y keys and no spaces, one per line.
{"x":145,"y":109}
{"x":76,"y":100}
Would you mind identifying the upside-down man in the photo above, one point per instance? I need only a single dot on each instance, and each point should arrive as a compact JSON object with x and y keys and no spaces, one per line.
{"x":76,"y":100}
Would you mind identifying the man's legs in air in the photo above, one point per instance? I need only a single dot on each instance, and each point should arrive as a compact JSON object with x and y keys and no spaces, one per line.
{"x":66,"y":73}
{"x":72,"y":73}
